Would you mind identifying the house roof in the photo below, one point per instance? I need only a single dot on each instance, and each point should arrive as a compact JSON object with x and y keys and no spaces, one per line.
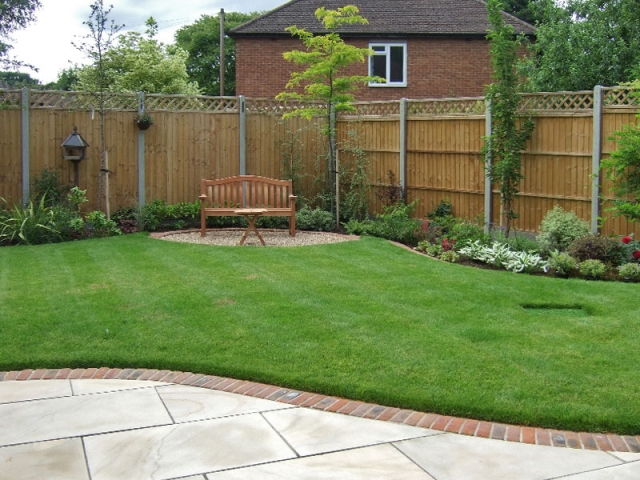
{"x":386,"y":17}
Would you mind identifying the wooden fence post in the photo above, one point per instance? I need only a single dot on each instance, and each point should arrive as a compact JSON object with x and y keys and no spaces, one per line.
{"x":403,"y":144}
{"x":141,"y":157}
{"x":26,"y":177}
{"x":595,"y":158}
{"x":243,"y":134}
{"x":487,"y":176}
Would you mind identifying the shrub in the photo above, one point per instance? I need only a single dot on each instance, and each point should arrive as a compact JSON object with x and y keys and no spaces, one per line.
{"x":630,"y":271}
{"x":466,"y":231}
{"x":31,"y":225}
{"x":444,"y":208}
{"x":98,"y":225}
{"x":559,"y":229}
{"x":501,"y":256}
{"x":597,"y":247}
{"x":48,"y":186}
{"x":355,"y":227}
{"x":563,"y":263}
{"x":396,"y":224}
{"x":593,"y":269}
{"x":316,"y":219}
{"x":450,"y":256}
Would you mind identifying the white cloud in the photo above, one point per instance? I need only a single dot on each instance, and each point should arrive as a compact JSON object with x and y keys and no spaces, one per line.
{"x":47,"y":43}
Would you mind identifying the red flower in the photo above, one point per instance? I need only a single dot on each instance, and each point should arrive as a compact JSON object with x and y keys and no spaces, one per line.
{"x":636,"y":254}
{"x":626,"y":239}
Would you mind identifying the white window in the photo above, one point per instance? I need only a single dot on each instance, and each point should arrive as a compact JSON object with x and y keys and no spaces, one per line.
{"x":389,"y":61}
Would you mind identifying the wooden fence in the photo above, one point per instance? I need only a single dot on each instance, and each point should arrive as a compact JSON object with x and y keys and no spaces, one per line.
{"x":431,"y":146}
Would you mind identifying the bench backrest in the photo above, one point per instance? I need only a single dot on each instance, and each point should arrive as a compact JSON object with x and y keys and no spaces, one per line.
{"x":247,"y":191}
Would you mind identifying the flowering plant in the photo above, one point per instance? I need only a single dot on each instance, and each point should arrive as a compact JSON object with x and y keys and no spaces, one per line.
{"x":631,"y":248}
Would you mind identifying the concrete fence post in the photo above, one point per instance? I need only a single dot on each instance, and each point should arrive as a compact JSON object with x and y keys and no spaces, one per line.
{"x":141,"y":156}
{"x":403,"y":143}
{"x":26,"y":177}
{"x":242,"y":110}
{"x":596,"y":157}
{"x":487,"y":176}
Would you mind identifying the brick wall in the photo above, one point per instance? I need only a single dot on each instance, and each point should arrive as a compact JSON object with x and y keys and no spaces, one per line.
{"x":437,"y":68}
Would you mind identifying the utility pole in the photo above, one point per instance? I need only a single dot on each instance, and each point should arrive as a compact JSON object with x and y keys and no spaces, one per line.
{"x":222,"y":52}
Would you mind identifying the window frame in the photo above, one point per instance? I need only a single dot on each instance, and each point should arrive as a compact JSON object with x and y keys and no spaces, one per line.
{"x":387,"y":54}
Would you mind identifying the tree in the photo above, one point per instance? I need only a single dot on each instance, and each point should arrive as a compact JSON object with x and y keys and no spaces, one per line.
{"x":324,"y":86}
{"x":67,"y":80}
{"x":201,"y":41}
{"x":97,"y":42}
{"x":14,"y":15}
{"x":139,"y":64}
{"x":17,"y":80}
{"x":507,"y":139}
{"x":583,"y":44}
{"x":526,"y":10}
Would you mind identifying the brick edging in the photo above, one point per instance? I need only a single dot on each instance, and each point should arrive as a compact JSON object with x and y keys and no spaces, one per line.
{"x":444,"y":423}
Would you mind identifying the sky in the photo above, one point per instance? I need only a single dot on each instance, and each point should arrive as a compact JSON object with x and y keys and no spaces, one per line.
{"x":47,"y":42}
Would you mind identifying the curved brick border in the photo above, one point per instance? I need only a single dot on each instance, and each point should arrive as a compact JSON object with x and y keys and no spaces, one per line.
{"x":463,"y":426}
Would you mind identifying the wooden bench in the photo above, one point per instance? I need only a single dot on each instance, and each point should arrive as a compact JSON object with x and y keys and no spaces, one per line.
{"x":233,"y":196}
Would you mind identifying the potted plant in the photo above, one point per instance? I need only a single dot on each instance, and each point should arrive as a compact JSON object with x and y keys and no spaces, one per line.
{"x":143,"y":120}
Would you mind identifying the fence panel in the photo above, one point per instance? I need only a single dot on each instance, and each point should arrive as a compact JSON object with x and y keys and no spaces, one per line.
{"x":10,"y":156}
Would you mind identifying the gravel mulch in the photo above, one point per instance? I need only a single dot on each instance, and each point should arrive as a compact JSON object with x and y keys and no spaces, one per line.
{"x":272,"y":238}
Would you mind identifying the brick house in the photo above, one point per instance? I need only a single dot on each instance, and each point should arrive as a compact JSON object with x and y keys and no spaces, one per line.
{"x":424,"y":48}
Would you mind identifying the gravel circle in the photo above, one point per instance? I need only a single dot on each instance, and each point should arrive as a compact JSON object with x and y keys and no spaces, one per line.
{"x":272,"y":238}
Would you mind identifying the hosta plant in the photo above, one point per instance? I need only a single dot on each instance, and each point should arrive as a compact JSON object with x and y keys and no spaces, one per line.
{"x":501,"y":256}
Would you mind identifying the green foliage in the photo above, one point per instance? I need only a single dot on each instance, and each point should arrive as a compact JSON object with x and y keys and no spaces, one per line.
{"x":444,"y":208}
{"x":17,"y":80}
{"x":563,"y":263}
{"x":559,"y":229}
{"x":314,"y":219}
{"x":31,"y":225}
{"x":630,"y":271}
{"x":509,"y":133}
{"x":623,"y":168}
{"x":527,"y":10}
{"x":583,"y":43}
{"x":356,"y":172}
{"x":501,"y":256}
{"x":394,"y":224}
{"x":597,"y":247}
{"x":14,"y":15}
{"x":49,"y":186}
{"x":99,"y":226}
{"x":325,"y":85}
{"x":592,"y":269}
{"x":201,"y":40}
{"x":139,"y":64}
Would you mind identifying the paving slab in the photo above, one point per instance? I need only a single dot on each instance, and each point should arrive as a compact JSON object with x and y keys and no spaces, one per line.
{"x":53,"y":460}
{"x":629,"y":471}
{"x":380,"y":462}
{"x":22,"y":391}
{"x":93,"y":385}
{"x":187,"y":404}
{"x":455,"y":457}
{"x":54,"y":418}
{"x":311,"y":432}
{"x":185,"y":449}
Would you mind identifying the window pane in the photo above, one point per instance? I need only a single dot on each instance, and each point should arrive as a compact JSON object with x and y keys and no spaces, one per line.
{"x":378,"y":48}
{"x":379,"y":66}
{"x":397,"y":64}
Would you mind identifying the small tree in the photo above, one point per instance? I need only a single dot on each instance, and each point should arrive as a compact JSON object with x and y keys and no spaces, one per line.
{"x":623,"y":168}
{"x":509,"y":134}
{"x":326,"y":87}
{"x":97,"y":42}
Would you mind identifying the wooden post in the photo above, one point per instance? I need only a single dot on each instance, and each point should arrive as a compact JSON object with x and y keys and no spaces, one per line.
{"x":487,"y":176}
{"x":26,"y":177}
{"x":141,"y":157}
{"x":403,"y":144}
{"x":595,"y":158}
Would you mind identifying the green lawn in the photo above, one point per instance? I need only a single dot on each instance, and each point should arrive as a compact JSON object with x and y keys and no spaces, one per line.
{"x":365,"y":320}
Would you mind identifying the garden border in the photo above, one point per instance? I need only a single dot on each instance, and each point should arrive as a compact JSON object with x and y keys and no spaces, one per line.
{"x":354,"y":408}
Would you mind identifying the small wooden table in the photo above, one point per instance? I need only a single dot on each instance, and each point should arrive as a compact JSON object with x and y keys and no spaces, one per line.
{"x":251,"y":214}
